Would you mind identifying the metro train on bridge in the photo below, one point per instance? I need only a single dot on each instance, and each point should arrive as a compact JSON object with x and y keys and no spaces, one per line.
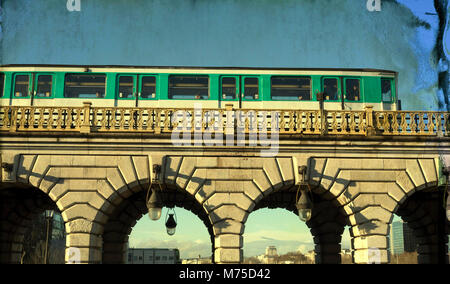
{"x":180,"y":87}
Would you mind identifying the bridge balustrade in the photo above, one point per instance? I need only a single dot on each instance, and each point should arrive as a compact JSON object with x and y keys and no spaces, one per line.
{"x":166,"y":120}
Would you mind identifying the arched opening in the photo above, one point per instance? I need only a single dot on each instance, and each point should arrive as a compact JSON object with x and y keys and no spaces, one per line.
{"x":402,"y":242}
{"x":346,"y":246}
{"x":325,"y":227}
{"x":125,"y":216}
{"x":149,"y":242}
{"x":31,"y":226}
{"x":277,"y":236}
{"x":422,"y":217}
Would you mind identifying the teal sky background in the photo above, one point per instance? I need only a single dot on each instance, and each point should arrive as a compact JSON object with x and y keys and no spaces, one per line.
{"x":238,"y":33}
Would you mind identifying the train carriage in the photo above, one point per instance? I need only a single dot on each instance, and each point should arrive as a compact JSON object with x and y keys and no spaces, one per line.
{"x":178,"y":87}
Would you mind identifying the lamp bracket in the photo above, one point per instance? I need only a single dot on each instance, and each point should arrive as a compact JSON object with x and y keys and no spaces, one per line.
{"x":156,"y":173}
{"x":7,"y":167}
{"x":7,"y":172}
{"x":302,"y":171}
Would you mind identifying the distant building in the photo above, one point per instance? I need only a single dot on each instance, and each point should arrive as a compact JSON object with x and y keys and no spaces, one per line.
{"x":410,"y":241}
{"x":402,"y":238}
{"x":58,"y":228}
{"x":271,"y":251}
{"x":270,"y":255}
{"x":199,"y":260}
{"x":311,"y":255}
{"x":396,"y":238}
{"x":153,"y":256}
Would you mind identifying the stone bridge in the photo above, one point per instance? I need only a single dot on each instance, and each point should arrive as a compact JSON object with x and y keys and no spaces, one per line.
{"x":98,"y":180}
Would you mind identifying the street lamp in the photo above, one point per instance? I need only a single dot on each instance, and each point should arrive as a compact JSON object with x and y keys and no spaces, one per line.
{"x":304,"y":204}
{"x":171,"y":224}
{"x":48,"y":217}
{"x":154,"y":205}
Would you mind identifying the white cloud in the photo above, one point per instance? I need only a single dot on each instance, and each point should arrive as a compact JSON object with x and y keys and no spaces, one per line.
{"x":278,"y":235}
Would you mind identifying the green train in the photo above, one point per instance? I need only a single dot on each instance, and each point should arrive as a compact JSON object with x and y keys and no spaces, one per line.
{"x":180,"y":87}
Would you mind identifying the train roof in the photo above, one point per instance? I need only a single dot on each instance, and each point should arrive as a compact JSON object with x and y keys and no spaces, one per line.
{"x":177,"y":69}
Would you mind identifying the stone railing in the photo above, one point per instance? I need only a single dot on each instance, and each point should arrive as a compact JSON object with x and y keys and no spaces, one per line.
{"x":89,"y":119}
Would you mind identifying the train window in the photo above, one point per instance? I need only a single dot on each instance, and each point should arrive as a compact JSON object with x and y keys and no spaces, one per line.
{"x":330,"y":88}
{"x":251,"y":89}
{"x":386,"y":90}
{"x":148,"y":87}
{"x":126,"y":84}
{"x":2,"y":83}
{"x":21,"y":85}
{"x":85,"y":86}
{"x":229,"y":88}
{"x":44,"y":86}
{"x":352,"y":92}
{"x":188,"y":87}
{"x":291,"y":88}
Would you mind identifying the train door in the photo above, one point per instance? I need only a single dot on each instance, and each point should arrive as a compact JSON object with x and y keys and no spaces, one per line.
{"x":42,"y":89}
{"x":134,"y":90}
{"x":229,"y":91}
{"x":388,"y":94}
{"x":352,"y":93}
{"x":240,"y":91}
{"x":126,"y":90}
{"x":22,"y":87}
{"x":331,"y":88}
{"x":28,"y":87}
{"x":146,"y":86}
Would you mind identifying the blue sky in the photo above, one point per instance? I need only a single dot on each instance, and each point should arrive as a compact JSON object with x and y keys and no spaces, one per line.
{"x":250,"y":33}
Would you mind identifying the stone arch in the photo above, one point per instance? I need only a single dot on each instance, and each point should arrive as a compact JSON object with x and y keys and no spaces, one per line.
{"x":228,"y":189}
{"x":327,"y":221}
{"x":424,"y":214}
{"x":369,"y":190}
{"x":20,"y":204}
{"x":88,"y":189}
{"x":85,"y":189}
{"x":125,"y":215}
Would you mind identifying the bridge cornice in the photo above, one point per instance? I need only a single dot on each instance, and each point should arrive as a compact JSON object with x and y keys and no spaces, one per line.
{"x":166,"y":140}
